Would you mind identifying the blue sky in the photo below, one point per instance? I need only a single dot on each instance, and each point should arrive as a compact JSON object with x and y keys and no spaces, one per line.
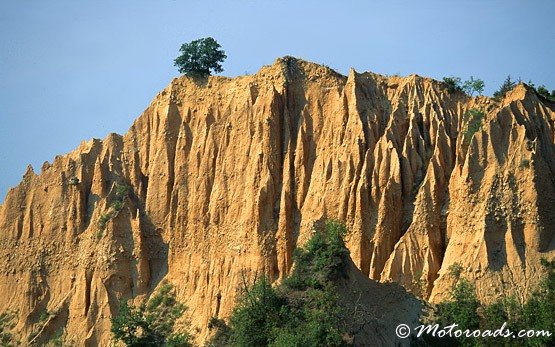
{"x":74,"y":70}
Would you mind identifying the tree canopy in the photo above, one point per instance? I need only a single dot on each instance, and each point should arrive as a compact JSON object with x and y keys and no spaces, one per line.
{"x":199,"y":58}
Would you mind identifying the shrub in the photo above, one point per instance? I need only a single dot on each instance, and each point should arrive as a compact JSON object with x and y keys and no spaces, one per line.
{"x":152,"y":323}
{"x":455,"y":270}
{"x":73,"y":181}
{"x":259,"y":313}
{"x":463,"y":308}
{"x":454,"y":84}
{"x":104,"y":218}
{"x":321,"y":260}
{"x":544,"y":93}
{"x":44,"y":316}
{"x":117,"y":205}
{"x":199,"y":57}
{"x":121,"y":192}
{"x":505,"y":87}
{"x":303,"y":310}
{"x":472,"y":123}
{"x":7,"y":323}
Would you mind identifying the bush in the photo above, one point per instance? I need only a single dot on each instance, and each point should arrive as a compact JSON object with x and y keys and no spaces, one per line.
{"x":121,"y":192}
{"x":7,"y":323}
{"x":463,"y":308}
{"x":455,"y":270}
{"x":303,"y":310}
{"x":259,"y":313}
{"x":506,"y":87}
{"x":152,"y":323}
{"x":473,"y":119}
{"x":454,"y":84}
{"x":544,"y":93}
{"x":321,"y":260}
{"x":199,"y":57}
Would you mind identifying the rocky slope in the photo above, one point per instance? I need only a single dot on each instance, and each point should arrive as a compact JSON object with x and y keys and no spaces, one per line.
{"x":226,"y":176}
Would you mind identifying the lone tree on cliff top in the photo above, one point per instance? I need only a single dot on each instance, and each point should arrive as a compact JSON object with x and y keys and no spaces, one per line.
{"x":199,"y":57}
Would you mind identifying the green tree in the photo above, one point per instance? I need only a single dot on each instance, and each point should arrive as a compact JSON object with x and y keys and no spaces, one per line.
{"x":152,"y":323}
{"x":199,"y":57}
{"x":473,"y":85}
{"x":505,"y":87}
{"x":454,"y":84}
{"x":543,"y":92}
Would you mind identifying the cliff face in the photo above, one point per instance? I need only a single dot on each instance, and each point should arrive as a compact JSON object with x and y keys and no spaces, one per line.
{"x":226,"y":176}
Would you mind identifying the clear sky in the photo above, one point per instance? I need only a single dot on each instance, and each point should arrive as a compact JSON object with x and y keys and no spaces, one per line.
{"x":74,"y":70}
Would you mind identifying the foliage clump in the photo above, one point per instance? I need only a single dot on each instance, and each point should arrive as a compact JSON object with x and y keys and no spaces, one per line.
{"x":321,"y":260}
{"x":303,"y":310}
{"x":152,"y":323}
{"x":7,"y":323}
{"x":118,"y":201}
{"x":199,"y":57}
{"x":544,"y":93}
{"x":454,"y":84}
{"x":472,"y":119}
{"x":505,"y":87}
{"x":471,"y":86}
{"x":464,"y":309}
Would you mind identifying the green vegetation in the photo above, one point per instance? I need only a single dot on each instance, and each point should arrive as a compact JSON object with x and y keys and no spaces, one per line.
{"x":44,"y":316}
{"x":505,"y":87}
{"x":544,"y":93}
{"x":454,"y":84}
{"x":525,"y":163}
{"x":472,"y":119}
{"x":153,"y":323}
{"x":455,"y":270}
{"x":199,"y":57}
{"x":73,"y":181}
{"x":58,"y":339}
{"x":118,"y":201}
{"x":473,"y":85}
{"x":7,"y":323}
{"x":303,"y":310}
{"x":463,"y":308}
{"x":321,"y":260}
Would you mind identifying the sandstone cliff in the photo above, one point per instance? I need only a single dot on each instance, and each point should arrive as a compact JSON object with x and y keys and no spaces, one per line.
{"x":228,"y":175}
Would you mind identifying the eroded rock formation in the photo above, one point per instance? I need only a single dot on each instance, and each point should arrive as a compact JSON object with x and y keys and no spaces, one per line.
{"x":227,"y":176}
